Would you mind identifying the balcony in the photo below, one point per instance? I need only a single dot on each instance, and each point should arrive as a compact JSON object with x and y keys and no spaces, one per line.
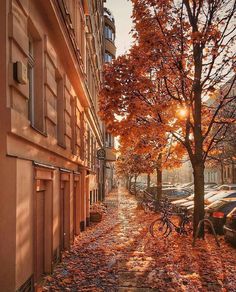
{"x":110,"y":47}
{"x":108,"y":14}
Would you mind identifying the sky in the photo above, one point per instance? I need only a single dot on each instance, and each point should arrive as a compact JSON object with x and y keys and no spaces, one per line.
{"x":122,"y":11}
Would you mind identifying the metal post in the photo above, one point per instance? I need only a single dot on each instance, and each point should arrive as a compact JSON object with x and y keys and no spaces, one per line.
{"x":198,"y":230}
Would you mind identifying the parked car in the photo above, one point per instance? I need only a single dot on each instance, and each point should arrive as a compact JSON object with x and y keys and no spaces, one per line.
{"x":210,"y":185}
{"x":139,"y":186}
{"x":167,"y":185}
{"x":164,"y":185}
{"x":179,"y":202}
{"x":220,"y":195}
{"x":217,"y":212}
{"x":185,"y":185}
{"x":213,"y":196}
{"x":186,"y":202}
{"x":175,"y":193}
{"x":171,"y":193}
{"x":227,"y":187}
{"x":230,"y":227}
{"x":190,"y":203}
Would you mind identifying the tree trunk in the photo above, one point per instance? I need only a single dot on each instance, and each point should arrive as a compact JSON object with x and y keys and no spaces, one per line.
{"x":135,"y":181}
{"x":129,"y":182}
{"x":159,"y":178}
{"x":222,"y":172}
{"x":198,"y":173}
{"x":159,"y":184}
{"x":148,"y":181}
{"x":233,"y":178}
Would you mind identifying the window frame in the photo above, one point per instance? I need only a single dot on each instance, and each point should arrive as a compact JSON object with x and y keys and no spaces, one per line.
{"x":36,"y":63}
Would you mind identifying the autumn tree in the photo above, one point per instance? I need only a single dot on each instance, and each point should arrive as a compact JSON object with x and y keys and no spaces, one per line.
{"x":159,"y":151}
{"x":126,"y":103}
{"x":130,"y":164}
{"x":182,"y":55}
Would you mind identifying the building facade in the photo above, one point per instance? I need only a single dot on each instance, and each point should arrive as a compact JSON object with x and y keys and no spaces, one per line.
{"x":51,"y":68}
{"x":109,"y":55}
{"x":221,"y":167}
{"x":181,"y":175}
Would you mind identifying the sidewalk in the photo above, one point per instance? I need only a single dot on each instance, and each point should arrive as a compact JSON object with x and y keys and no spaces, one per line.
{"x":118,"y":254}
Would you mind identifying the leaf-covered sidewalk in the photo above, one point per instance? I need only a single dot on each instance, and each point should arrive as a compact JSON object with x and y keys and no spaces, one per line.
{"x":118,"y":254}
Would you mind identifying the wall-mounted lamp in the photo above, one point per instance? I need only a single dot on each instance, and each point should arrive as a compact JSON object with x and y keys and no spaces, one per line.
{"x":20,"y":72}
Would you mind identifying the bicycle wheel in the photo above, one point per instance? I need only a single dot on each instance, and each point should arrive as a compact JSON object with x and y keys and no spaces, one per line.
{"x":159,"y":227}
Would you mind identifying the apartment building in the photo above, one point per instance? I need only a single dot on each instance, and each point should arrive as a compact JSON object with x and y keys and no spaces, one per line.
{"x":109,"y":55}
{"x":51,"y":62}
{"x":222,"y":166}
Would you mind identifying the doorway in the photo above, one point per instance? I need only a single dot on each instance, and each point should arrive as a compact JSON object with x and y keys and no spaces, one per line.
{"x":40,"y":234}
{"x":43,"y":220}
{"x":65,"y":211}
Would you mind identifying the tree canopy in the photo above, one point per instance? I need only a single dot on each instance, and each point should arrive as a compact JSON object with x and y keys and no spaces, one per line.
{"x":172,"y":78}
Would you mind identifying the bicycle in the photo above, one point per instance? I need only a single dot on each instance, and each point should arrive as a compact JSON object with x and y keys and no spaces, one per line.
{"x":147,"y":202}
{"x":165,"y":225}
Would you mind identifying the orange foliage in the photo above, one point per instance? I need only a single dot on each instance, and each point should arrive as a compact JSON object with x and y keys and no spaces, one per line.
{"x":181,"y":56}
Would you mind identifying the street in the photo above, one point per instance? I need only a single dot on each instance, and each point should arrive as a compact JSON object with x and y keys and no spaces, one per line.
{"x":118,"y":254}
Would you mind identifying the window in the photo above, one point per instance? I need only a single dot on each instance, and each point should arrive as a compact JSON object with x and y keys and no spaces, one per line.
{"x":88,"y":148}
{"x":60,"y":110}
{"x":73,"y":124}
{"x":108,"y":57}
{"x":36,"y":80}
{"x":82,"y":137}
{"x":31,"y":73}
{"x":79,"y":30}
{"x":91,"y":152}
{"x":94,"y":155}
{"x":91,"y":198}
{"x":109,"y":33}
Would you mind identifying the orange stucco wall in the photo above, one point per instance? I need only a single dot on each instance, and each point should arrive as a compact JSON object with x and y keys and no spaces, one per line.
{"x":8,"y":224}
{"x":24,"y":220}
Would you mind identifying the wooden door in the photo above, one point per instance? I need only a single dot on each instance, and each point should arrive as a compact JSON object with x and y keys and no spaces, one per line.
{"x":75,"y":207}
{"x":62,"y":216}
{"x":65,"y":215}
{"x":40,"y":234}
